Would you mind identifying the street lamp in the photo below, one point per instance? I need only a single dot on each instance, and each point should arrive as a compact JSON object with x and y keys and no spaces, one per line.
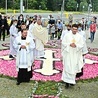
{"x":62,"y":8}
{"x":6,"y":6}
{"x":77,"y":7}
{"x":27,"y":4}
{"x":89,"y":10}
{"x":21,"y":6}
{"x":83,"y":8}
{"x":39,"y":7}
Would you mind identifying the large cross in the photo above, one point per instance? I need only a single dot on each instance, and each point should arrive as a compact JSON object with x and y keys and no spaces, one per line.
{"x":47,"y":67}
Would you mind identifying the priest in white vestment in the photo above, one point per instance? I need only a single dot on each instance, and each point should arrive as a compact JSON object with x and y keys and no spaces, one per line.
{"x":41,"y":38}
{"x":23,"y":26}
{"x":72,"y":56}
{"x":24,"y":45}
{"x":13,"y":34}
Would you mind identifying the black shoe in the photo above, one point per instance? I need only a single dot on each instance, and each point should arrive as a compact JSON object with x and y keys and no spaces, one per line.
{"x":67,"y":85}
{"x":42,"y":58}
{"x":18,"y":83}
{"x":10,"y":56}
{"x":71,"y":84}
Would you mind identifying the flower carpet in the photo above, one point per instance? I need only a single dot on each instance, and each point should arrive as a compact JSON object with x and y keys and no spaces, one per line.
{"x":53,"y":65}
{"x":49,"y":69}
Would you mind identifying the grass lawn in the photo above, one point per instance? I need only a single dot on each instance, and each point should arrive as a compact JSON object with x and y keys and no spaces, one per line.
{"x":3,"y":11}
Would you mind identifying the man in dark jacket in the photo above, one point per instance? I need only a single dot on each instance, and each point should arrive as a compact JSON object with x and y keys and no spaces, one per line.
{"x":3,"y":26}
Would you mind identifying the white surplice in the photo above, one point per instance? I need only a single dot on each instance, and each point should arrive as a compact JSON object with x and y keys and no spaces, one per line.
{"x":13,"y":34}
{"x":72,"y":57}
{"x":23,"y":57}
{"x":32,"y":37}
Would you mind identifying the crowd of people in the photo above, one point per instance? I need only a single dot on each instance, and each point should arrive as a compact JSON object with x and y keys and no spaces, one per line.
{"x":28,"y":37}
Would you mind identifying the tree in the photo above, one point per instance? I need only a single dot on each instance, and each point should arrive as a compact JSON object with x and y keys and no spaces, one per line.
{"x":84,"y":6}
{"x":71,"y":5}
{"x":2,"y":3}
{"x":53,"y":5}
{"x":78,"y":2}
{"x":95,"y":5}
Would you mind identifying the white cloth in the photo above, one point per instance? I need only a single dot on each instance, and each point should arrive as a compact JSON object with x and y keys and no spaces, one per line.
{"x":40,"y":33}
{"x":72,"y":57}
{"x":64,"y":32}
{"x":27,"y":22}
{"x":32,"y":37}
{"x":41,"y":38}
{"x":52,"y":29}
{"x":13,"y":34}
{"x":31,"y":27}
{"x":24,"y":56}
{"x":83,"y":34}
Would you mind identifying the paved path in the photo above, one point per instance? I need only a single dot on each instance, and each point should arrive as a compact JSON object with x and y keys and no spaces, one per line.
{"x":95,"y":43}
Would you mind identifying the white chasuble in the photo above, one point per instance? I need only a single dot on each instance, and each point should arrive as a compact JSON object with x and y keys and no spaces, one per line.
{"x":41,"y":38}
{"x":72,"y":57}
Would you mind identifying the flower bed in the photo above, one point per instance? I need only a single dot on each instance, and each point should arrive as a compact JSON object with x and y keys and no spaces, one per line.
{"x":47,"y":89}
